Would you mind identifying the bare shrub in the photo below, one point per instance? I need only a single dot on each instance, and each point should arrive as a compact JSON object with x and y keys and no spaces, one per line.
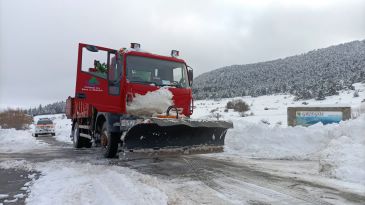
{"x":215,"y":115}
{"x":244,"y":114}
{"x":214,"y":110}
{"x":230,"y":105}
{"x":238,"y":106}
{"x":15,"y":118}
{"x":265,"y":121}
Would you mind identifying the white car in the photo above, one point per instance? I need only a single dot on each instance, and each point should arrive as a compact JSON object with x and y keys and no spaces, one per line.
{"x":44,"y":126}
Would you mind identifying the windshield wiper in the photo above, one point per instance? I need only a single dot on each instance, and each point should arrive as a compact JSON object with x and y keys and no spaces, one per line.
{"x":143,"y":82}
{"x":150,"y":82}
{"x":172,"y":85}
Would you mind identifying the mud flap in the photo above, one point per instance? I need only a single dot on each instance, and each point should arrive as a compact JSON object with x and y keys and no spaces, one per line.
{"x":177,"y":135}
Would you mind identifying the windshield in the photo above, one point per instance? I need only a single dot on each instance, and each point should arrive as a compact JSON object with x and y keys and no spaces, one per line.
{"x":44,"y":122}
{"x":157,"y":72}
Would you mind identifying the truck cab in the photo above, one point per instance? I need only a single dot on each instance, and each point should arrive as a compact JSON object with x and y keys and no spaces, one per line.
{"x":109,"y":79}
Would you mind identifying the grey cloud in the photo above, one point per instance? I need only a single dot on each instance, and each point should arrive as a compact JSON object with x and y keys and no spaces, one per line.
{"x":38,"y":39}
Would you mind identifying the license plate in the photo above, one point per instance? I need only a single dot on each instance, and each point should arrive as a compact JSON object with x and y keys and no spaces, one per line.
{"x":128,"y":123}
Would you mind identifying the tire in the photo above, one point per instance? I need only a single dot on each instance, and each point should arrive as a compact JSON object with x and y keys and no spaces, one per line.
{"x":35,"y":135}
{"x":110,"y":146}
{"x":53,"y":134}
{"x":78,"y":141}
{"x":86,"y":142}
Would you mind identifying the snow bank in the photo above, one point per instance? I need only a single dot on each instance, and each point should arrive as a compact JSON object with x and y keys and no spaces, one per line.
{"x":12,"y":141}
{"x":65,"y":182}
{"x":263,"y":141}
{"x":63,"y":129}
{"x":344,"y":156}
{"x":340,"y":148}
{"x":151,"y":103}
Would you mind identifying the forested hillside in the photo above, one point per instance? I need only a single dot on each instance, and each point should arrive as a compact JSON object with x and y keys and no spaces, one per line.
{"x":315,"y":74}
{"x":53,"y":108}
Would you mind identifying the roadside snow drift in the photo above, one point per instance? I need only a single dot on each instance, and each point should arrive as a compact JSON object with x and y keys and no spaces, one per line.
{"x":340,"y":148}
{"x":344,"y":156}
{"x":65,"y":182}
{"x":12,"y":141}
{"x":155,"y":102}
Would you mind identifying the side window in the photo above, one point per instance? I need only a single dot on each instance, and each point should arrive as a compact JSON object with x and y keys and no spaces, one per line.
{"x":95,"y":63}
{"x":115,"y":73}
{"x":177,"y":74}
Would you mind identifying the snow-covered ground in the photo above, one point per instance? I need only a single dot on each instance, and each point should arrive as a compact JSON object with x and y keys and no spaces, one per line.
{"x":15,"y":141}
{"x":67,"y":182}
{"x":276,"y":106}
{"x":328,"y":155}
{"x":339,"y":148}
{"x":22,"y":141}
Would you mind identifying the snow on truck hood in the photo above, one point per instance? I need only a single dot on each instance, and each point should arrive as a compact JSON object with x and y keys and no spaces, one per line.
{"x":153,"y":102}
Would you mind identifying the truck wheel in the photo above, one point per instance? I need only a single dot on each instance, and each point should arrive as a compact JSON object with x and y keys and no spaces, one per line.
{"x":53,"y":134}
{"x":35,"y":135}
{"x":109,"y":142}
{"x":79,"y":141}
{"x":76,"y":136}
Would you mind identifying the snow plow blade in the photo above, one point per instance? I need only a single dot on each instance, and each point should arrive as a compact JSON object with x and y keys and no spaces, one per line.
{"x":177,"y":136}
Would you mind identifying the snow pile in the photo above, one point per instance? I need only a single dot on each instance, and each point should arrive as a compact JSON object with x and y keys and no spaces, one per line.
{"x":64,"y":182}
{"x":340,"y":148}
{"x":63,"y":128}
{"x":155,"y":102}
{"x":344,"y":156}
{"x":12,"y":141}
{"x":359,"y":110}
{"x":263,"y":141}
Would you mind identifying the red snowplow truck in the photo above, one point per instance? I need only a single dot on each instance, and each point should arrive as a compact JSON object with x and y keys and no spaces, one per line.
{"x":108,"y":81}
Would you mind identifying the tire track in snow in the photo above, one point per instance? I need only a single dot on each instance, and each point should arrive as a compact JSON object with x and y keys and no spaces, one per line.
{"x":231,"y":182}
{"x":232,"y":173}
{"x":234,"y":189}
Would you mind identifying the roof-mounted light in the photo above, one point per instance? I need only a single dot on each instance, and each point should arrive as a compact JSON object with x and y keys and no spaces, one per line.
{"x":135,"y":46}
{"x":174,"y":53}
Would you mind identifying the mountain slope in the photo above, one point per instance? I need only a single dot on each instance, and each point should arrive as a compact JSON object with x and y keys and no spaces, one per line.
{"x":315,"y":74}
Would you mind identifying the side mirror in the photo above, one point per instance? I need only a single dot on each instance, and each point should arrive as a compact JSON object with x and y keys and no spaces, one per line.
{"x":190,"y":75}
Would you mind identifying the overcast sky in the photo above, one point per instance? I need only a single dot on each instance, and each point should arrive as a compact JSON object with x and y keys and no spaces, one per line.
{"x":38,"y":39}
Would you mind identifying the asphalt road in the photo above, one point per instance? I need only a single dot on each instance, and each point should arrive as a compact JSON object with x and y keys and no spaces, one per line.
{"x":234,"y":182}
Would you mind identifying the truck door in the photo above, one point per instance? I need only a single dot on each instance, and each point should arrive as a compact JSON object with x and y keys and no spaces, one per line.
{"x":98,"y":77}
